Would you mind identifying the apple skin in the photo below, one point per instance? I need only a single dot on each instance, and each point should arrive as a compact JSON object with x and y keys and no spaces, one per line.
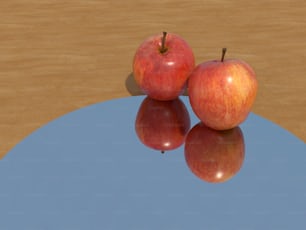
{"x":222,"y":93}
{"x":214,"y":156}
{"x":163,"y":76}
{"x":162,"y":125}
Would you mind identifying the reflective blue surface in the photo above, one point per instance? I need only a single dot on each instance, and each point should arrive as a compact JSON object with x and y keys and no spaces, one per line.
{"x":88,"y":170}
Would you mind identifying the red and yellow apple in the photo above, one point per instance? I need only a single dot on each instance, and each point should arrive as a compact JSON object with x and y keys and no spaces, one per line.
{"x":161,"y":66}
{"x":214,"y":156}
{"x":222,"y":92}
{"x":162,"y":125}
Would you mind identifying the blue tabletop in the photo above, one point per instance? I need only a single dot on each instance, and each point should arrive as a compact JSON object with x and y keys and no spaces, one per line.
{"x":89,"y":170}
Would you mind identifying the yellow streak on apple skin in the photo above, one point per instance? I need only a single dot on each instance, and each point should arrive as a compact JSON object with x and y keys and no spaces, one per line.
{"x":243,"y":91}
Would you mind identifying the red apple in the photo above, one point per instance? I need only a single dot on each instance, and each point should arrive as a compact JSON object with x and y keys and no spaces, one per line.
{"x":162,"y":125}
{"x":162,"y":65}
{"x":212,"y":155}
{"x":222,"y":92}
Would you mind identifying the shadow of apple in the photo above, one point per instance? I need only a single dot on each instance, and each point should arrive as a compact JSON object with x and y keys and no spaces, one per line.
{"x":162,"y":125}
{"x":131,"y":85}
{"x":214,"y":156}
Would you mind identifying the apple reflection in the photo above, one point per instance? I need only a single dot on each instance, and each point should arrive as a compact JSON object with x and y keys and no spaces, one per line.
{"x":162,"y":125}
{"x":214,"y":156}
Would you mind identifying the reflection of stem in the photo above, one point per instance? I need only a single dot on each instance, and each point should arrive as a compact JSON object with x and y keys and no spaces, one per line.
{"x":162,"y":151}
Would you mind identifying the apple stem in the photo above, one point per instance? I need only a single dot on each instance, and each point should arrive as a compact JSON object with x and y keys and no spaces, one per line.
{"x":223,"y":54}
{"x":163,"y":49}
{"x":162,"y":151}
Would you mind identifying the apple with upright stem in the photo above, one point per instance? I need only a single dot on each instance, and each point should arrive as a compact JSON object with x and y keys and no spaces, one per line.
{"x":212,"y":155}
{"x":222,"y":92}
{"x":162,"y":125}
{"x":161,"y":66}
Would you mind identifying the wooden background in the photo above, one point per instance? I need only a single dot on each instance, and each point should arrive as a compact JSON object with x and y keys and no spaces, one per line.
{"x":57,"y":56}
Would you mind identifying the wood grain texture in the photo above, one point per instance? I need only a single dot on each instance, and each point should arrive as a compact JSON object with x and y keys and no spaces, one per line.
{"x":59,"y":56}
